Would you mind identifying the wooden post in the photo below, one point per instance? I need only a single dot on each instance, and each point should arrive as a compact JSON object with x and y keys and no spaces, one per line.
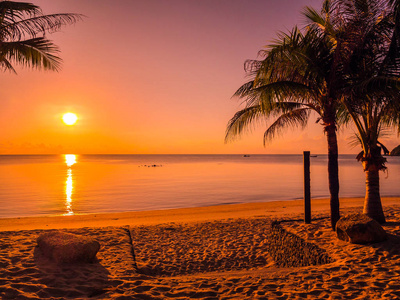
{"x":307,"y":191}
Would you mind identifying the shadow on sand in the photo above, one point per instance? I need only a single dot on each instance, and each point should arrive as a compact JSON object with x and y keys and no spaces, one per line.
{"x":70,"y":280}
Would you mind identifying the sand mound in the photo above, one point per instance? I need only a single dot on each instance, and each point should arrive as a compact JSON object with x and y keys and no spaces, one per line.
{"x":289,"y":250}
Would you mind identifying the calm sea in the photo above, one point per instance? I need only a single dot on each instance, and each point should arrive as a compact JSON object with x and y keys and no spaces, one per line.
{"x":33,"y":185}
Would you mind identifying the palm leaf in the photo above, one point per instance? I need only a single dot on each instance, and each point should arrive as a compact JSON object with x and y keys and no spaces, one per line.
{"x":11,"y":9}
{"x":355,"y":140}
{"x":242,"y":119}
{"x":244,"y":90}
{"x":293,"y":119}
{"x":283,"y":91}
{"x":385,"y":150}
{"x":377,"y":86}
{"x":6,"y":65}
{"x":31,"y":27}
{"x":38,"y":53}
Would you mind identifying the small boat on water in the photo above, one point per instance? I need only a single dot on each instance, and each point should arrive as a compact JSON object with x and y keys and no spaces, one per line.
{"x":246,"y":155}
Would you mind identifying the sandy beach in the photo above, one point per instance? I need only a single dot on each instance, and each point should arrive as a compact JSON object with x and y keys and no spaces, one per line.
{"x":219,"y":252}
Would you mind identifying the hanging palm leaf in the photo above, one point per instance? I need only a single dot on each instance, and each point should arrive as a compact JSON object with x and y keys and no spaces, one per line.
{"x":22,"y":36}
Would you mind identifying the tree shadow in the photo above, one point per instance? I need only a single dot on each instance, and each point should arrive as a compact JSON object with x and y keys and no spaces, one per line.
{"x":26,"y":273}
{"x":390,"y":248}
{"x":70,"y":280}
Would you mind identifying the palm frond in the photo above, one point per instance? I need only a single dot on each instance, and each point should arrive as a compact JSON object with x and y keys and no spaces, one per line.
{"x":241,"y":120}
{"x":383,"y":132}
{"x":355,"y":140}
{"x":22,"y":35}
{"x":315,"y":18}
{"x":257,"y":114}
{"x":30,"y":28}
{"x":6,"y":65}
{"x":12,"y":9}
{"x":39,"y":53}
{"x":385,"y":150}
{"x":293,"y":119}
{"x":342,"y":115}
{"x":284,"y":91}
{"x":390,"y":116}
{"x":244,"y":90}
{"x":376,"y":86}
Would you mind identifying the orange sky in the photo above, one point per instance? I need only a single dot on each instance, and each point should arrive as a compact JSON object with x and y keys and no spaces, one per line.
{"x":150,"y":77}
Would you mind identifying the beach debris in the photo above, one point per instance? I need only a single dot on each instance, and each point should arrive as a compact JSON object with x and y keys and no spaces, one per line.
{"x":150,"y":166}
{"x":63,"y":247}
{"x":359,"y":229}
{"x":290,"y":250}
{"x":131,"y":242}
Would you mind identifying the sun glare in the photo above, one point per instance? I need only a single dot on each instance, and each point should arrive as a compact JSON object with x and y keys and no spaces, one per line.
{"x":70,"y":159}
{"x":69,"y":118}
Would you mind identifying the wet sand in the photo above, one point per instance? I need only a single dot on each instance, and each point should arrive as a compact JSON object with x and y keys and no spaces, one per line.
{"x":218,"y":252}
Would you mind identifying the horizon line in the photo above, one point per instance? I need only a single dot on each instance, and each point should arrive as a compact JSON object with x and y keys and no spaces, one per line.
{"x":244,"y":153}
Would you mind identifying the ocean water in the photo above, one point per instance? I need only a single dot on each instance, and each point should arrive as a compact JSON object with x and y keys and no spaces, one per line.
{"x":34,"y":185}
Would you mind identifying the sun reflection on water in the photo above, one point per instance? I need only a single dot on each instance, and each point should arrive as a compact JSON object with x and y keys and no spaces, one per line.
{"x":70,"y":160}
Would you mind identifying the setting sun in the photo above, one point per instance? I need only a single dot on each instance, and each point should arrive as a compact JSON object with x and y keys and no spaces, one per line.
{"x":69,"y":118}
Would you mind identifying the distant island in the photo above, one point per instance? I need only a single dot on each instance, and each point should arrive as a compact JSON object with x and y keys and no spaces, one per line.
{"x":395,"y":151}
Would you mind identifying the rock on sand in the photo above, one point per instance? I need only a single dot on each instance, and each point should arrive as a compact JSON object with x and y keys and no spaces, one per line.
{"x":360,"y":229}
{"x":64,"y":247}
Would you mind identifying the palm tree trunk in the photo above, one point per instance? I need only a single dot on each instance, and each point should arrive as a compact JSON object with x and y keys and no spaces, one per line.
{"x":372,"y":203}
{"x":333,"y":173}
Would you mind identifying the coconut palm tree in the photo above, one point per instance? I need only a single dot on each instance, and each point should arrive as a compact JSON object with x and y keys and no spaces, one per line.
{"x":296,"y":77}
{"x":373,"y":94}
{"x":358,"y":79}
{"x":367,"y":39}
{"x":22,"y":36}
